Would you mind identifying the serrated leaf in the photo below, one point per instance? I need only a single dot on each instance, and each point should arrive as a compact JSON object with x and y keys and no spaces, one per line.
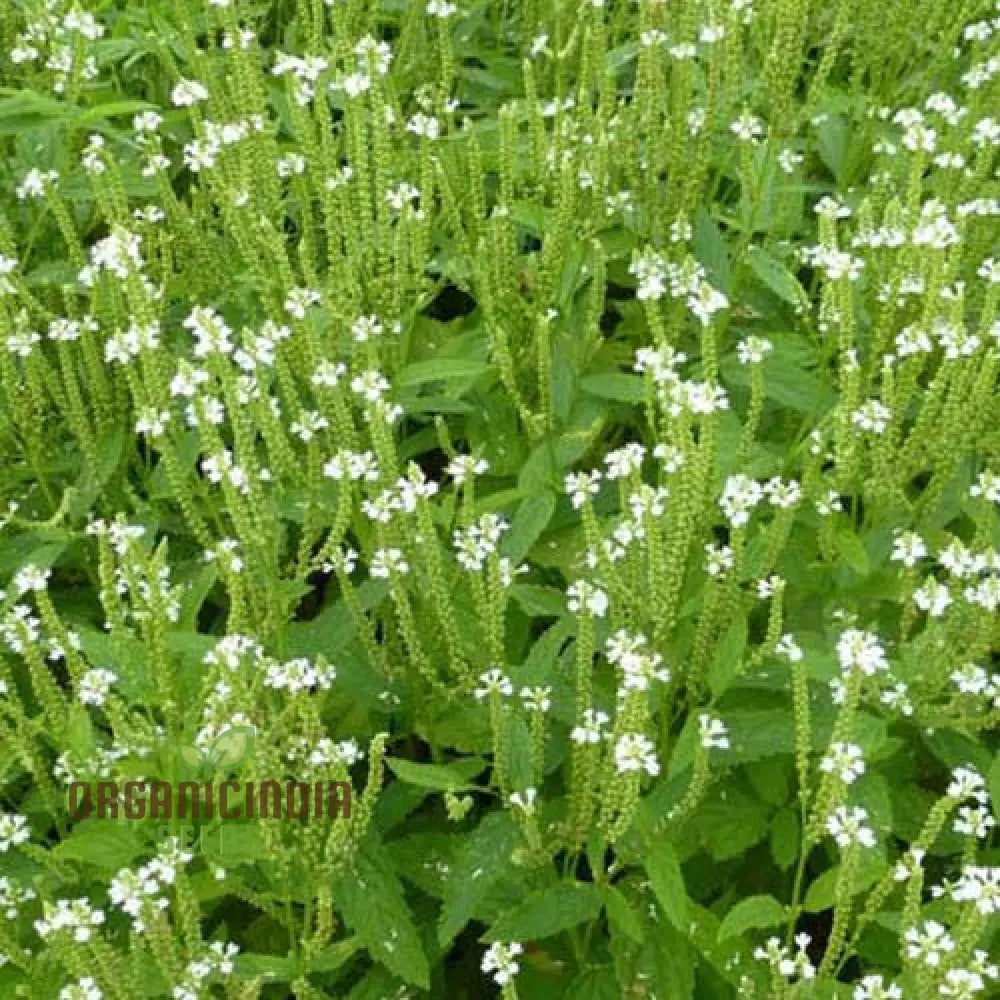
{"x":374,"y":907}
{"x":271,"y":968}
{"x":617,"y":386}
{"x":776,"y":276}
{"x":428,"y":775}
{"x":482,"y":861}
{"x":530,"y":520}
{"x":621,"y":915}
{"x":546,"y":912}
{"x":821,"y":894}
{"x":785,"y":837}
{"x":101,"y":842}
{"x":750,"y":913}
{"x":667,"y":881}
{"x":439,"y":370}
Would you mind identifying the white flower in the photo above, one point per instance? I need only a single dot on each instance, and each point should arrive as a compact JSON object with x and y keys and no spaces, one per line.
{"x":747,"y":128}
{"x":845,"y":760}
{"x":875,"y":988}
{"x":831,"y":208}
{"x":788,"y":160}
{"x":525,"y":801}
{"x":584,"y":596}
{"x":580,"y":485}
{"x":299,"y":675}
{"x":591,"y":729}
{"x":712,"y":732}
{"x":14,"y":830}
{"x":494,"y":681}
{"x":908,"y":548}
{"x":980,"y":886}
{"x":624,"y":461}
{"x":974,"y":821}
{"x":671,"y":457}
{"x":635,"y":752}
{"x":355,"y":84}
{"x":299,"y":300}
{"x":847,"y":827}
{"x":928,"y":944}
{"x":146,"y":122}
{"x":751,"y":350}
{"x":536,"y":699}
{"x":152,"y":422}
{"x":387,"y":563}
{"x":783,"y":494}
{"x":309,"y":424}
{"x":873,"y":416}
{"x":967,"y":783}
{"x":719,"y":559}
{"x":372,"y":385}
{"x":188,"y":92}
{"x":909,"y":865}
{"x":465,"y":467}
{"x":898,"y":697}
{"x":651,"y":272}
{"x":933,"y":598}
{"x":95,"y":685}
{"x":862,"y":651}
{"x":739,"y":496}
{"x":85,"y":988}
{"x":987,"y":486}
{"x":440,"y":8}
{"x":499,"y":959}
{"x":75,"y":915}
{"x":788,"y":648}
{"x":31,"y":578}
{"x":35,"y":183}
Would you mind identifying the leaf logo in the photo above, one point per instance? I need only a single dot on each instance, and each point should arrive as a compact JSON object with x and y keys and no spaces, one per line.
{"x":229,"y":751}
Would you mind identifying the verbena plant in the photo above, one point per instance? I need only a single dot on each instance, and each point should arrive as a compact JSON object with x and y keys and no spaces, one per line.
{"x":572,"y":423}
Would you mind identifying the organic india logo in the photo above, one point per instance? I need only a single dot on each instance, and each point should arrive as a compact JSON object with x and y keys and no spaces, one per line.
{"x":201,"y":795}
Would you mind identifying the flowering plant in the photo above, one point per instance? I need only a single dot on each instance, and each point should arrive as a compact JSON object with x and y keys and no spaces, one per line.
{"x":569,"y":428}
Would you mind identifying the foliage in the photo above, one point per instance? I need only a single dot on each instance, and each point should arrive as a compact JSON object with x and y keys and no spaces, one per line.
{"x":571,"y":425}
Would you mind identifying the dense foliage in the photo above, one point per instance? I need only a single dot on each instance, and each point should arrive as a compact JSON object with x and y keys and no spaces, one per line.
{"x":571,"y":423}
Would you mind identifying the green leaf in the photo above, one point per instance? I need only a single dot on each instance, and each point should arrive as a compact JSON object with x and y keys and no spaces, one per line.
{"x":595,"y":984}
{"x":428,"y":775}
{"x":750,"y":913}
{"x":621,"y":915}
{"x":832,"y":139}
{"x":101,"y":842}
{"x":785,"y":837}
{"x":483,"y":860}
{"x":617,"y":386}
{"x":531,"y":519}
{"x":271,"y":968}
{"x":374,"y":907}
{"x":710,"y":250}
{"x":776,"y":276}
{"x":728,"y":654}
{"x":667,"y":881}
{"x":821,"y":895}
{"x":333,"y":956}
{"x":539,"y":601}
{"x":853,"y":552}
{"x":548,"y":911}
{"x":439,"y":370}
